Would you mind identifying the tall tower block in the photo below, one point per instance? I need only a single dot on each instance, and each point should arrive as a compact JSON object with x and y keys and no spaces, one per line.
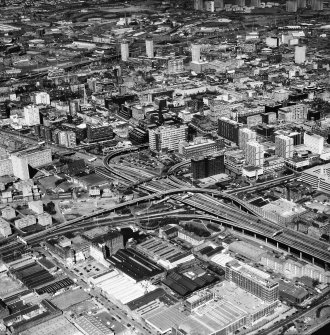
{"x":291,"y":6}
{"x":124,"y":51}
{"x":300,"y":54}
{"x":317,"y":4}
{"x":150,"y":48}
{"x":195,"y":53}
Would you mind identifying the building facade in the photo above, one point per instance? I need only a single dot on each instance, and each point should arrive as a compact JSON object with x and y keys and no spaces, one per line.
{"x":284,"y":146}
{"x":167,"y":137}
{"x":252,"y":280}
{"x":254,"y":154}
{"x":31,"y":115}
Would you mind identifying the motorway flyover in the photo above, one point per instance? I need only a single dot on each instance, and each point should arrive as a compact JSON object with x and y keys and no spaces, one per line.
{"x":248,"y":221}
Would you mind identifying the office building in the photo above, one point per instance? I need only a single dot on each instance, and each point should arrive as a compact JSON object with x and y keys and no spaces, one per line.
{"x":229,"y":129}
{"x":300,"y":54}
{"x":255,"y":3}
{"x":96,"y":133}
{"x":5,"y":229}
{"x":195,"y":53}
{"x":254,"y":154}
{"x":244,"y":136}
{"x":34,"y":157}
{"x":291,"y":6}
{"x":67,"y":139}
{"x":6,"y":166}
{"x":41,"y":98}
{"x":203,"y":167}
{"x":138,"y":136}
{"x":317,"y":4}
{"x":293,"y":113}
{"x":252,"y":280}
{"x":314,"y":143}
{"x":198,"y":4}
{"x":199,"y":146}
{"x":124,"y":51}
{"x":167,"y":137}
{"x":318,"y":177}
{"x":150,"y":48}
{"x":284,"y":146}
{"x":31,"y":115}
{"x":175,"y":65}
{"x":298,"y":138}
{"x":198,"y":167}
{"x":301,"y":3}
{"x":209,"y":6}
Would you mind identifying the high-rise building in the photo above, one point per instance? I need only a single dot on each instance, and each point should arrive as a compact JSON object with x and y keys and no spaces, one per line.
{"x":254,"y":154}
{"x":291,"y":6}
{"x":284,"y":146}
{"x":195,"y":53}
{"x":33,"y":157}
{"x":31,"y":115}
{"x":240,"y":3}
{"x":150,"y":48}
{"x":67,"y":138}
{"x":124,"y":51}
{"x":41,"y":98}
{"x":202,"y":167}
{"x":293,"y":113}
{"x":218,"y":4}
{"x":297,"y":137}
{"x":209,"y":5}
{"x":300,"y":54}
{"x":228,"y":129}
{"x":198,"y":167}
{"x":167,"y":137}
{"x":245,"y":135}
{"x":199,"y":146}
{"x":301,"y":3}
{"x":97,"y":133}
{"x":175,"y":65}
{"x":198,"y":4}
{"x":314,"y":143}
{"x":317,"y":4}
{"x":252,"y":280}
{"x":255,"y":3}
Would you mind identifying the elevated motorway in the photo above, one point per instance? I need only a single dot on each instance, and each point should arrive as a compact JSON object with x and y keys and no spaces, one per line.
{"x":293,"y":240}
{"x":265,"y":184}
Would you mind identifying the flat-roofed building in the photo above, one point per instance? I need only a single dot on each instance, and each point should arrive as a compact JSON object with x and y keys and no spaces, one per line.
{"x":314,"y":143}
{"x":34,"y":157}
{"x":293,"y":113}
{"x":318,"y":177}
{"x":167,"y":137}
{"x":252,"y":280}
{"x":284,"y":146}
{"x":5,"y":229}
{"x":199,"y":146}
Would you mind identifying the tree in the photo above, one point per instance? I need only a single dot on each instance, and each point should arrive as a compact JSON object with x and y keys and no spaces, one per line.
{"x":50,"y":208}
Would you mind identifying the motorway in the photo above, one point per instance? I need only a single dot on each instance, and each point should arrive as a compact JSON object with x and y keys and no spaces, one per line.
{"x":218,"y":209}
{"x":204,"y":200}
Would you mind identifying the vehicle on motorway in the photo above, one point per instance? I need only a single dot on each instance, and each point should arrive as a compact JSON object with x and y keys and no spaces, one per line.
{"x":277,"y":233}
